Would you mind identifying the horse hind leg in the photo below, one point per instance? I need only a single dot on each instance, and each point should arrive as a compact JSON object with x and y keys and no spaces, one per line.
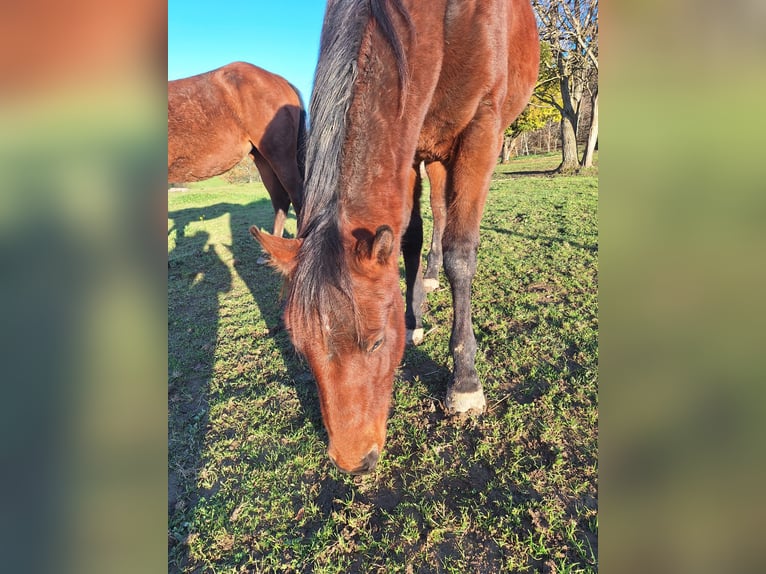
{"x":412,"y":246}
{"x":437,"y":177}
{"x":290,"y":181}
{"x":282,"y":157}
{"x":280,"y":200}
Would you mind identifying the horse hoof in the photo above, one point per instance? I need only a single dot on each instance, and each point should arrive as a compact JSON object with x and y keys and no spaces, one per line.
{"x":464,"y":402}
{"x":430,"y":285}
{"x":261,"y":261}
{"x":414,"y":336}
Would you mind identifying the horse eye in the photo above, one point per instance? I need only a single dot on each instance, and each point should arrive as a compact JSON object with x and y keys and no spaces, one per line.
{"x":376,"y":345}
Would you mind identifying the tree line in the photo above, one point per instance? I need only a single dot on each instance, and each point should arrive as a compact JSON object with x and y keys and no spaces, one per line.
{"x":567,"y":89}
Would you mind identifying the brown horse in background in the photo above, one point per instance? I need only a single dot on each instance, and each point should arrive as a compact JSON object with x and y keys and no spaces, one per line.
{"x":217,"y":118}
{"x":398,"y":82}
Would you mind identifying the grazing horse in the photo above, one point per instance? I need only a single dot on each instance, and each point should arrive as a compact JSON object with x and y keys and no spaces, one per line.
{"x":398,"y":82}
{"x":216,"y":118}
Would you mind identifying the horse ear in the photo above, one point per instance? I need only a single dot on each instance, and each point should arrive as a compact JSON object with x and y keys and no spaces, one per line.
{"x":382,"y":244}
{"x":376,"y":247}
{"x":282,"y":252}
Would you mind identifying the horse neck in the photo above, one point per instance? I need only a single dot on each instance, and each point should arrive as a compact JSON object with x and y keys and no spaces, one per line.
{"x":363,"y":142}
{"x":378,"y":155}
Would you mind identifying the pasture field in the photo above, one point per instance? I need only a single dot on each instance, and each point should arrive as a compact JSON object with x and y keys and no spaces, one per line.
{"x":515,"y":490}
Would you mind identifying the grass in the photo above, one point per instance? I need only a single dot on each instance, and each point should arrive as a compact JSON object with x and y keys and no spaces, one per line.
{"x":250,"y":486}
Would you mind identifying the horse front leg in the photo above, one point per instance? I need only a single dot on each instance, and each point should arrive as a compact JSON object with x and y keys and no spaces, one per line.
{"x":468,"y":181}
{"x":465,"y":392}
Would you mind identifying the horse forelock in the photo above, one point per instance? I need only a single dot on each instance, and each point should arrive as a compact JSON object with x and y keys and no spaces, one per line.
{"x":320,"y":287}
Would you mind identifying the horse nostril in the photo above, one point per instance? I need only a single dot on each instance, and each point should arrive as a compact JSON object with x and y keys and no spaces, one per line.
{"x":368,"y":462}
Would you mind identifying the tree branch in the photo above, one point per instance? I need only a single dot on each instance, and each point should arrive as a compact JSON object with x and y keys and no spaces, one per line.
{"x":579,"y":34}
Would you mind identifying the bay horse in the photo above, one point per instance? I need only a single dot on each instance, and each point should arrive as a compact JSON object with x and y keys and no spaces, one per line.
{"x":398,"y":82}
{"x":217,"y":118}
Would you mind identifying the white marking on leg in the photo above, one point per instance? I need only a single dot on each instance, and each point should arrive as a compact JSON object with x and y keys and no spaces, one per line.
{"x":430,"y":285}
{"x":415,"y":336}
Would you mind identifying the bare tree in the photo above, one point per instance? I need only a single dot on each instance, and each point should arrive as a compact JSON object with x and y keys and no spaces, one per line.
{"x":587,"y":158}
{"x":571,"y":29}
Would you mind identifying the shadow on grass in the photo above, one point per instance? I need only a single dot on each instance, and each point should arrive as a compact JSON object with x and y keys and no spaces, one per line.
{"x":547,"y":240}
{"x":196,"y":278}
{"x":193,"y":316}
{"x":531,"y":173}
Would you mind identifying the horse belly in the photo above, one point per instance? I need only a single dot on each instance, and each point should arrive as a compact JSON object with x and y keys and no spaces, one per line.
{"x":195,"y":163}
{"x":203,"y":151}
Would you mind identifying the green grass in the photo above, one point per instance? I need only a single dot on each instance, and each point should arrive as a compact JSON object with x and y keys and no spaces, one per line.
{"x":251,"y":488}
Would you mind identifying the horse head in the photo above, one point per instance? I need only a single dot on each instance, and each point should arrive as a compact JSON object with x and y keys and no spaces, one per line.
{"x":349,"y":325}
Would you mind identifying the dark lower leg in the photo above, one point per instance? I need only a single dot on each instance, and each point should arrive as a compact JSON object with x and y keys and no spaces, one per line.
{"x":460,"y":266}
{"x":280,"y":201}
{"x":412,"y":245}
{"x":466,"y":191}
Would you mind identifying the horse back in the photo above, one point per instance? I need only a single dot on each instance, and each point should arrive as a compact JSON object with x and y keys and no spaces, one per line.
{"x":215,"y":118}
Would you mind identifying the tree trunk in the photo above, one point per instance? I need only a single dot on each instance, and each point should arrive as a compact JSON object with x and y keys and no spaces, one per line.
{"x":569,"y":159}
{"x":548,"y":136}
{"x":587,"y":160}
{"x":508,"y":150}
{"x":570,"y":162}
{"x":505,"y":152}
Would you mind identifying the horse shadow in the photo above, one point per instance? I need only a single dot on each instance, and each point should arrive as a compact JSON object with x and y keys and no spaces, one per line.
{"x":197,"y":276}
{"x":265,"y":286}
{"x":528,"y":173}
{"x":546,"y":240}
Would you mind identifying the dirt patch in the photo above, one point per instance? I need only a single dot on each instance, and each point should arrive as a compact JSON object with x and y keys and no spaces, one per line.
{"x":387,"y":499}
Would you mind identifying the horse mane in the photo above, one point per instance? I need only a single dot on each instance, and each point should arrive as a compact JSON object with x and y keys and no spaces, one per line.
{"x":334,"y":80}
{"x":321,"y":255}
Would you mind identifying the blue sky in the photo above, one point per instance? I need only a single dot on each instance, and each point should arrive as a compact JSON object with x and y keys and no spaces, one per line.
{"x":281,"y":36}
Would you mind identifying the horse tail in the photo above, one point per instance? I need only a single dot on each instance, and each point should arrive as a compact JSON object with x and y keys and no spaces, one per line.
{"x":302,"y":135}
{"x":302,"y":139}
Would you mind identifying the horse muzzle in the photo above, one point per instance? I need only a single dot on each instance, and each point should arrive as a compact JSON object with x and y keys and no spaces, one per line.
{"x":366,"y":465}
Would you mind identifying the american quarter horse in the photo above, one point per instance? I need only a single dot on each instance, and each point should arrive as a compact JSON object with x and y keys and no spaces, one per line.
{"x":216,"y":118}
{"x":398,"y":82}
